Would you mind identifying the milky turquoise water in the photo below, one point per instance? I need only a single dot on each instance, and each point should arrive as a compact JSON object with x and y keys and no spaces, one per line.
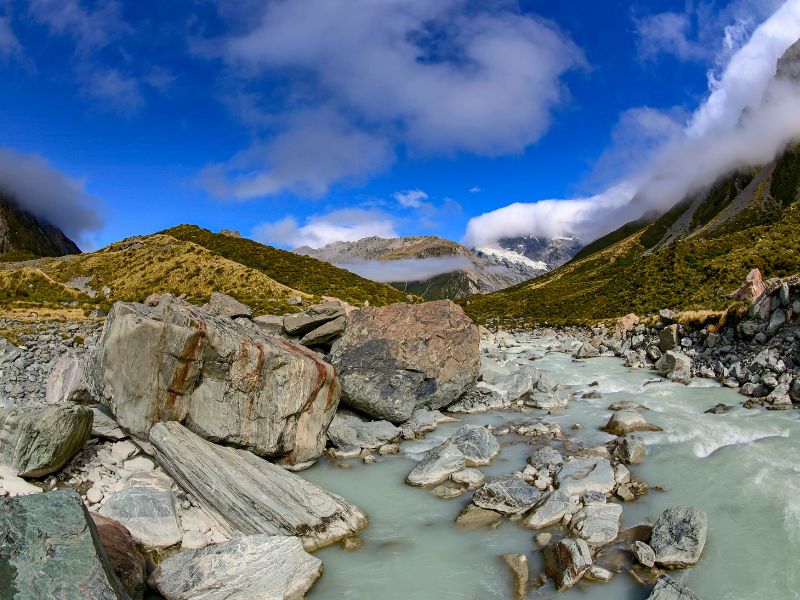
{"x":741,"y":468}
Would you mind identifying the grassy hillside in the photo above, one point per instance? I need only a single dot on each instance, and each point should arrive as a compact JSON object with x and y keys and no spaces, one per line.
{"x":310,"y":275}
{"x":618,"y":276}
{"x":132,"y":269}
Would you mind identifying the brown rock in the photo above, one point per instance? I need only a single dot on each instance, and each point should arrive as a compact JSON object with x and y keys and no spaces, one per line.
{"x":124,"y":556}
{"x":752,"y":288}
{"x":624,"y":325}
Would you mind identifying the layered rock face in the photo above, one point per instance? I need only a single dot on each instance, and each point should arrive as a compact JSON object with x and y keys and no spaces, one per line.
{"x":395,"y":359}
{"x":250,"y":495}
{"x":54,"y":550}
{"x":228,"y":383}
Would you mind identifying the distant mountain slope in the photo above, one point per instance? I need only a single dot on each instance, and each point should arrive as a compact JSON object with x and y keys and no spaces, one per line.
{"x":551,"y":252}
{"x":309,"y":275}
{"x":704,"y":246}
{"x":23,"y":236}
{"x":432,"y":267}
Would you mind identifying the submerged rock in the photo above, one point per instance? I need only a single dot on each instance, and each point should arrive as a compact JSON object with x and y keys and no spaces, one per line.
{"x":518,"y":564}
{"x":226,"y":382}
{"x":475,"y":516}
{"x":679,"y":536}
{"x":395,"y":359}
{"x":50,"y":549}
{"x":668,"y":589}
{"x":37,"y":442}
{"x":249,"y":495}
{"x":256,"y":567}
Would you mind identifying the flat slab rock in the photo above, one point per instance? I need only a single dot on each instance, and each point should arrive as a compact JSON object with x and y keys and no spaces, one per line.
{"x":51,"y":550}
{"x":597,"y":524}
{"x":508,"y":495}
{"x":250,"y":496}
{"x":37,"y":442}
{"x":255,"y":567}
{"x":228,"y":382}
{"x":579,"y":475}
{"x":148,"y":513}
{"x":394,"y":359}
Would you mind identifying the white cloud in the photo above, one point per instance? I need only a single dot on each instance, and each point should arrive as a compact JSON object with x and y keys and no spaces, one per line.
{"x":347,"y":225}
{"x":49,"y":195}
{"x":474,"y":190}
{"x":315,"y":149}
{"x":410,"y":198}
{"x":432,"y":76}
{"x":746,"y":120}
{"x":407,"y":269}
{"x":9,"y":44}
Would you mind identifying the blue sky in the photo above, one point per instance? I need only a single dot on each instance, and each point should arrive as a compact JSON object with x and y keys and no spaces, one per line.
{"x":311,"y":120}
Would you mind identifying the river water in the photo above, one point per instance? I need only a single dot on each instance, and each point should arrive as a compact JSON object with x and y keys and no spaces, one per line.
{"x":742,"y":468}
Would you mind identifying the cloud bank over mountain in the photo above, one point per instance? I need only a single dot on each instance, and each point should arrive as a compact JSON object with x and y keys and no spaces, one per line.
{"x":748,"y":117}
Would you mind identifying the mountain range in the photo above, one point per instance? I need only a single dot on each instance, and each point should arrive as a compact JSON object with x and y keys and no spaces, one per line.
{"x":23,"y":236}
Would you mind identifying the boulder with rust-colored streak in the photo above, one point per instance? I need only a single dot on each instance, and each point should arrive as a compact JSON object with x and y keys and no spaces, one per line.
{"x":123,"y":555}
{"x":228,"y":383}
{"x":394,"y":359}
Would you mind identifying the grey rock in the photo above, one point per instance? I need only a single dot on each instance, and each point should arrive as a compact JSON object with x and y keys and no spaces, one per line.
{"x":548,"y":400}
{"x":626,"y":405}
{"x":632,"y":449}
{"x":51,"y":550}
{"x":312,"y":318}
{"x":477,"y":444}
{"x":270,"y":324}
{"x":550,"y":509}
{"x":149,"y":513}
{"x":395,"y":359}
{"x":587,"y":350}
{"x":349,"y":430}
{"x":481,"y":397}
{"x":667,"y":588}
{"x":673,"y":362}
{"x":67,"y":381}
{"x":226,"y":307}
{"x":509,"y":495}
{"x":598,"y":524}
{"x":325,"y":333}
{"x":103,"y":424}
{"x":437,"y":465}
{"x":255,"y":567}
{"x":546,"y":458}
{"x":248,"y":495}
{"x":669,"y":338}
{"x":567,"y":561}
{"x":644,"y":554}
{"x":227,"y":382}
{"x":581,"y":474}
{"x":423,"y":421}
{"x":679,"y":536}
{"x":624,"y":422}
{"x":776,"y":321}
{"x":37,"y":442}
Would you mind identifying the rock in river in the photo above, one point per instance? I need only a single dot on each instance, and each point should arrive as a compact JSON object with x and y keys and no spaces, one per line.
{"x":227,"y":382}
{"x":477,"y":444}
{"x":598,"y":524}
{"x":508,"y":495}
{"x":624,"y":422}
{"x":256,"y":567}
{"x":37,"y":442}
{"x":50,"y":549}
{"x":437,"y":465}
{"x":567,"y":561}
{"x":581,"y":474}
{"x":679,"y":536}
{"x":550,"y":509}
{"x":249,"y":495}
{"x":395,"y":359}
{"x":668,"y":589}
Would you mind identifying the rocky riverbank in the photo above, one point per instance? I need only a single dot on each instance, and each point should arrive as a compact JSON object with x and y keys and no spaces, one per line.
{"x":180,"y":426}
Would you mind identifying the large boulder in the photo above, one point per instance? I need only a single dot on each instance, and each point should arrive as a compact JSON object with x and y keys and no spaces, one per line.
{"x":50,"y":549}
{"x":395,"y":359}
{"x":123,"y":555}
{"x":679,"y":536}
{"x":248,"y":495}
{"x":227,"y":382}
{"x":37,"y":442}
{"x":667,"y":588}
{"x":67,"y":381}
{"x":256,"y":567}
{"x":624,"y":422}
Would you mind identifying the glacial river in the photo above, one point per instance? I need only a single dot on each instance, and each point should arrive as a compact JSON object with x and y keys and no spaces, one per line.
{"x":742,"y":468}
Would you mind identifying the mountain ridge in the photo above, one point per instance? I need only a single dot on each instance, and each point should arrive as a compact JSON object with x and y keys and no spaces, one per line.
{"x":23,"y":236}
